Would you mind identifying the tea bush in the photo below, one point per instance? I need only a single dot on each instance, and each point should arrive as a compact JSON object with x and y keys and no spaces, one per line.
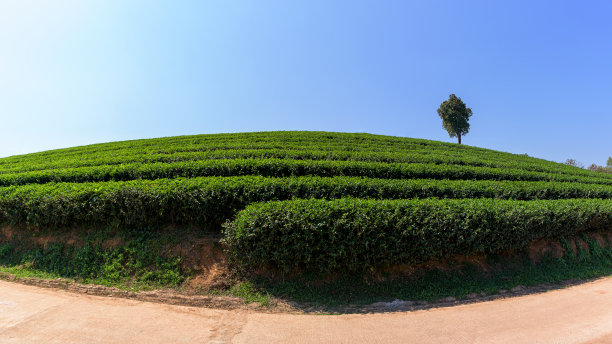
{"x":356,"y":234}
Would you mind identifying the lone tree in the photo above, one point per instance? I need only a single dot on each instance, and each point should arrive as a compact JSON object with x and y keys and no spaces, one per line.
{"x":455,"y":116}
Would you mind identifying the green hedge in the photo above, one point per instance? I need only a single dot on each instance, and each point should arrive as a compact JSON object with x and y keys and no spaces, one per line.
{"x":354,"y":234}
{"x":319,"y":153}
{"x":284,"y":168}
{"x":422,"y":156}
{"x":208,"y":201}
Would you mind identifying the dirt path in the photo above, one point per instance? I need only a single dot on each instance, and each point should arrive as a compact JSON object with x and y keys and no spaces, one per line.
{"x":579,"y":314}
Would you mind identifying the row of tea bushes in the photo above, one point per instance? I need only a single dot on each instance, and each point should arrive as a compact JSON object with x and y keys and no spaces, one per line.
{"x":285,"y":168}
{"x":357,"y":234}
{"x":208,"y":201}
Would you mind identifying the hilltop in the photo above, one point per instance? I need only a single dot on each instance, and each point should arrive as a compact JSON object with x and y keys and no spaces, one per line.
{"x":285,"y":202}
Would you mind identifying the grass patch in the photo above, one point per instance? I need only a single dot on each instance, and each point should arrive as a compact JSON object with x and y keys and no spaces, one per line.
{"x":249,"y":293}
{"x":25,"y":271}
{"x":138,"y":265}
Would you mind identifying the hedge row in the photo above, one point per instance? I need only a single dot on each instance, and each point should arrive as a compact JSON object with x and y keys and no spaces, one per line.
{"x":354,"y":234}
{"x":413,"y":156}
{"x":284,"y":168}
{"x":207,"y":202}
{"x":293,"y":145}
{"x":135,"y":156}
{"x":267,"y":140}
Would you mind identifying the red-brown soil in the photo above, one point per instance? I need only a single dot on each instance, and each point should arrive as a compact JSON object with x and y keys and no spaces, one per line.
{"x":578,"y":314}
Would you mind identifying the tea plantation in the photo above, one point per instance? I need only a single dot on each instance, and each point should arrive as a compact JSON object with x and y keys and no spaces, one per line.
{"x":313,"y":201}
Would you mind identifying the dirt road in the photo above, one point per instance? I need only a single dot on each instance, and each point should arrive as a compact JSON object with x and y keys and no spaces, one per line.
{"x":579,"y":314}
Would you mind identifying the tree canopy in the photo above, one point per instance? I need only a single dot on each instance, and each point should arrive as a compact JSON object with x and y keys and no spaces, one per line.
{"x":455,"y":116}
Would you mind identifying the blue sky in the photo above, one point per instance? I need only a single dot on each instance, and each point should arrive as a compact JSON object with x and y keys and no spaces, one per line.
{"x":537,"y":74}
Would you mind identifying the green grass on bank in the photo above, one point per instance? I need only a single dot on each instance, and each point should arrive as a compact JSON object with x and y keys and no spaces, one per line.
{"x":135,"y":266}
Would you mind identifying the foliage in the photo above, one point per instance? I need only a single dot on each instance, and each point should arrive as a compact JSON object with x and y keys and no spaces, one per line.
{"x":355,"y":234}
{"x":600,"y":169}
{"x":455,"y":116}
{"x":176,"y":156}
{"x":135,"y":264}
{"x":289,"y":167}
{"x":202,"y":181}
{"x":458,"y":282}
{"x":573,"y":162}
{"x":207,"y":202}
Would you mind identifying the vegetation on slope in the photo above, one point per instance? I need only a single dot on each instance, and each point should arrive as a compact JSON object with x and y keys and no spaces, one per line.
{"x":306,"y":200}
{"x":354,"y":234}
{"x":207,"y":202}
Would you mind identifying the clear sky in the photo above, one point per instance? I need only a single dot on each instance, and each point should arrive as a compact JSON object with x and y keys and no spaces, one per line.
{"x":537,"y":74}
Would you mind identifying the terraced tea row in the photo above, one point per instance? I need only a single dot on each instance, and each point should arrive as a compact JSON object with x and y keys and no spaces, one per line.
{"x":355,"y":235}
{"x":285,"y":168}
{"x":208,"y":202}
{"x":310,"y":146}
{"x":389,"y":217}
{"x":292,"y":154}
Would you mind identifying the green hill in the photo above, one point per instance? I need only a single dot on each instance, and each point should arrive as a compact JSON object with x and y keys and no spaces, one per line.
{"x":203,"y":180}
{"x":316,"y":201}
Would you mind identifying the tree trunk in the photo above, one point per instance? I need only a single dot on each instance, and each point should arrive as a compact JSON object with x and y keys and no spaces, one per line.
{"x":459,"y":137}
